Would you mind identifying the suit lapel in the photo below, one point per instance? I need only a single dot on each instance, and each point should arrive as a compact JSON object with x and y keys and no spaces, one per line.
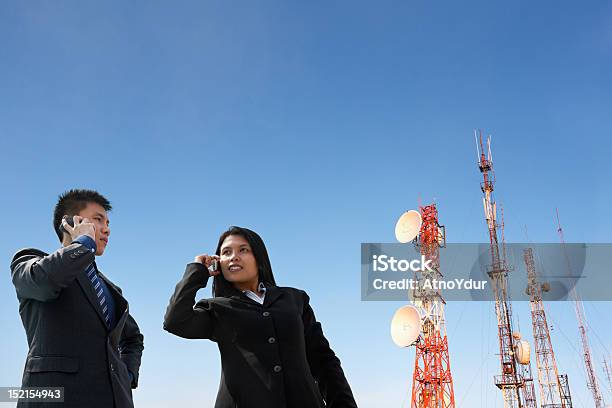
{"x":121,"y":305}
{"x":272,"y":293}
{"x":90,"y":294}
{"x":241,"y":297}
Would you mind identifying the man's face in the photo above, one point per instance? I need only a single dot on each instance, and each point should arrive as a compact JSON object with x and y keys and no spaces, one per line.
{"x":97,"y":215}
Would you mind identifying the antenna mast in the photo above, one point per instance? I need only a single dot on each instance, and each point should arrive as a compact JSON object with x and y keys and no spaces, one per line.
{"x":515,"y":381}
{"x":432,"y":383}
{"x":554,"y":389}
{"x":592,"y":383}
{"x":607,"y":370}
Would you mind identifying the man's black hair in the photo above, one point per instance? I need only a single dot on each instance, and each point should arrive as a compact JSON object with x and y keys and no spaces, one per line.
{"x":72,"y":202}
{"x":221,"y":287}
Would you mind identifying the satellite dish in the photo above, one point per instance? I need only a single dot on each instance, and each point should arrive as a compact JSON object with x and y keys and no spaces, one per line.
{"x":408,"y":226}
{"x":522,"y":352}
{"x":406,"y":326}
{"x":417,"y":303}
{"x":441,"y":236}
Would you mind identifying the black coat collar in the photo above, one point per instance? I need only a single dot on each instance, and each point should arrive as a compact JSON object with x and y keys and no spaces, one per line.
{"x":272,"y":294}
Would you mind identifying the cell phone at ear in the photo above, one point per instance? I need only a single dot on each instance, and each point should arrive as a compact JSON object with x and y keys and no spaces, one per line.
{"x":214,"y":267}
{"x":69,"y":221}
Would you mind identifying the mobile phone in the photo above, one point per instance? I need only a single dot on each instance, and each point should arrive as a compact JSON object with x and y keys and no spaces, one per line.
{"x":69,"y":221}
{"x":214,"y":267}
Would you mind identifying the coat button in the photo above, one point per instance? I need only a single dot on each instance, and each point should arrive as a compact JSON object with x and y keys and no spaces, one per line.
{"x":277,"y":368}
{"x":266,"y":314}
{"x":112,"y":367}
{"x":271,"y":340}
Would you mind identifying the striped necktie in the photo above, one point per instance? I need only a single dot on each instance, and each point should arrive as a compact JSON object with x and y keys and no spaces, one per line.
{"x":97,"y":286}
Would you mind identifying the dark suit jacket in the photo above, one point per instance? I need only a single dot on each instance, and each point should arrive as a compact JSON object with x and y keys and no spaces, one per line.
{"x":272,"y":355}
{"x":69,"y":343}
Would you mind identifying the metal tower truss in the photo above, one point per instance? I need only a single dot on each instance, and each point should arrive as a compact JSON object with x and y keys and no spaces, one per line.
{"x":608,"y":375}
{"x":554,"y":389}
{"x":515,"y":380}
{"x":592,"y":383}
{"x":432,"y":384}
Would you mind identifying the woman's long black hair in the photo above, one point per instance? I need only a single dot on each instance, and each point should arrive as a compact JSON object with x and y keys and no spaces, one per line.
{"x":221,"y":287}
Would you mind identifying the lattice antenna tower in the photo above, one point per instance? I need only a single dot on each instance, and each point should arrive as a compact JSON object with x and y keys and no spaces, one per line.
{"x":554,"y":388}
{"x":517,"y":390}
{"x":592,"y":383}
{"x":432,"y":382}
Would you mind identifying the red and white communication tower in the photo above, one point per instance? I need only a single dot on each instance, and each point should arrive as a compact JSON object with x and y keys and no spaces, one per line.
{"x":432,"y":383}
{"x":515,"y":380}
{"x":554,"y":388}
{"x":592,"y":383}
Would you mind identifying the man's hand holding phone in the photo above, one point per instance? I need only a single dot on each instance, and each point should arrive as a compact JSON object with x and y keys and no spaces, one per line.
{"x":78,"y":226}
{"x":211,"y":262}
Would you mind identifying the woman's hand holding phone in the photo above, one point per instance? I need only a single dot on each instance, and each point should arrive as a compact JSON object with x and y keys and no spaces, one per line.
{"x":211,"y":262}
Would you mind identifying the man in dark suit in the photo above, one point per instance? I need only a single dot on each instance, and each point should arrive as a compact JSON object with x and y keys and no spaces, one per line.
{"x":80,"y":333}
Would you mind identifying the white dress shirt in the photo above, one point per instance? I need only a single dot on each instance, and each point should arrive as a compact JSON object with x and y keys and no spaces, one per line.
{"x":255,"y":296}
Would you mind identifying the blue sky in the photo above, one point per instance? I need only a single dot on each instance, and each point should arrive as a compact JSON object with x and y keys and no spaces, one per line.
{"x":316,"y":124}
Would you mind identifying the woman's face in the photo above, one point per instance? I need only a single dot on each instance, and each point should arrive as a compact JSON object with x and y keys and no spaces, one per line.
{"x":238,"y":263}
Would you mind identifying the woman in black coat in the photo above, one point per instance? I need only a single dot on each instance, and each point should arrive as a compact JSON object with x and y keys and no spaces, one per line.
{"x":273,"y":352}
